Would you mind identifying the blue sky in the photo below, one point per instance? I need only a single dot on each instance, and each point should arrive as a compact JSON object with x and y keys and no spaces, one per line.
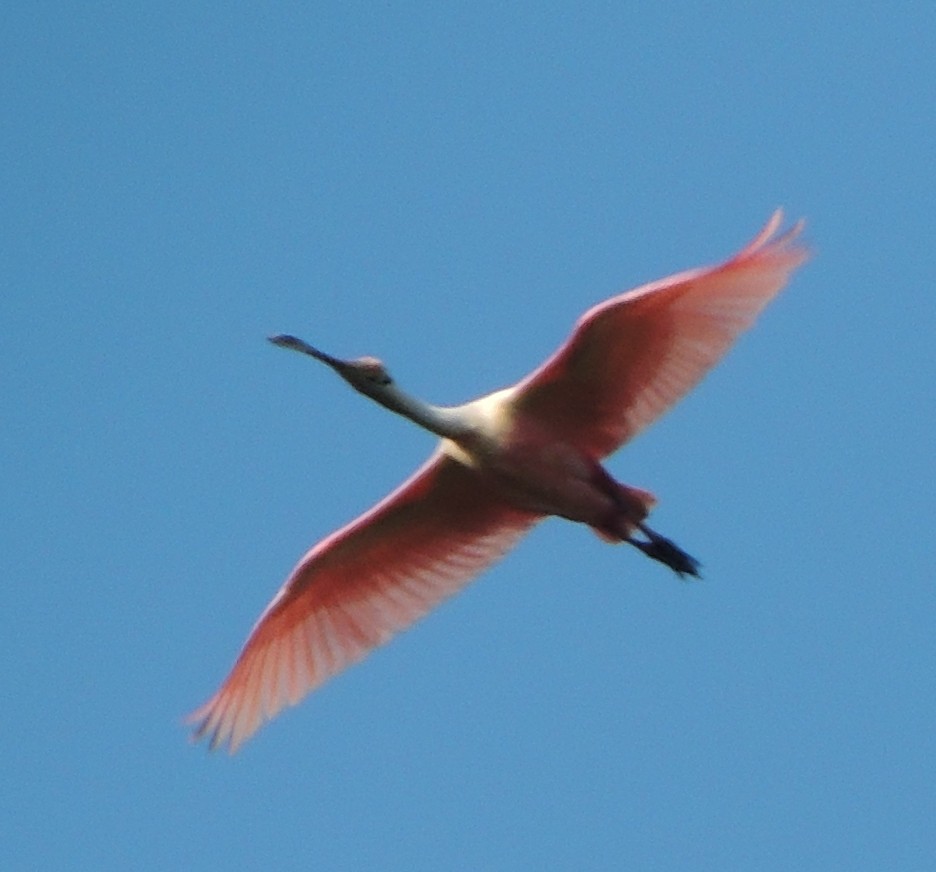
{"x":447,"y":186}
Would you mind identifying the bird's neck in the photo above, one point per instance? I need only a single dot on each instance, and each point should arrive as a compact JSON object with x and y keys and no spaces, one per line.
{"x":449,"y":423}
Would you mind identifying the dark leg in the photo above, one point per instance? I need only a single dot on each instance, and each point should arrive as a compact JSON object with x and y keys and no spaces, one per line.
{"x":666,"y":551}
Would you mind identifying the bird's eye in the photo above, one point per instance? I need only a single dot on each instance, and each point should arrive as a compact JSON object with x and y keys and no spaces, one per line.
{"x":373,"y":370}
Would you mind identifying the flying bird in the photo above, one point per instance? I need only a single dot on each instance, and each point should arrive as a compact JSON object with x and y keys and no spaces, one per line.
{"x":505,"y":461}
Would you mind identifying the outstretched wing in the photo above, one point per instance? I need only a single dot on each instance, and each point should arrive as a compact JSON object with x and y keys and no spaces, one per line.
{"x":359,"y":587}
{"x":632,"y":357}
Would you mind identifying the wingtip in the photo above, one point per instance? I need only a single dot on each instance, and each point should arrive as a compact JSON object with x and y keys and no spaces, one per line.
{"x":206,"y":726}
{"x":767,"y":240}
{"x":773,"y":223}
{"x":769,"y":231}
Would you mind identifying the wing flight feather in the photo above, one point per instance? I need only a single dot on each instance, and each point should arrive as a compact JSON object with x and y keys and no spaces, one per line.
{"x":359,"y":587}
{"x":632,"y":357}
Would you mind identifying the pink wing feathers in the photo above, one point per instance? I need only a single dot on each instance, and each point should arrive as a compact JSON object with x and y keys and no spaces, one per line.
{"x":632,"y":357}
{"x":359,"y":587}
{"x":628,"y":360}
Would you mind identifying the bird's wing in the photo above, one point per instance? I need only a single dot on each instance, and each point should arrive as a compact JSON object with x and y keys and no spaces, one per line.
{"x":360,"y":586}
{"x":632,"y":357}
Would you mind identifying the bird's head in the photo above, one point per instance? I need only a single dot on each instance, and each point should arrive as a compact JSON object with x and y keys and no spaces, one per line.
{"x":365,"y":374}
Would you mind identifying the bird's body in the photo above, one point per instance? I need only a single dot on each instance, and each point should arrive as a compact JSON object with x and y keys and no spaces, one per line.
{"x":534,"y":469}
{"x":505,"y":461}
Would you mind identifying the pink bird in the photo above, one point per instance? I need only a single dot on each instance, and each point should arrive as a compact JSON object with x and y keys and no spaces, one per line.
{"x":505,"y":461}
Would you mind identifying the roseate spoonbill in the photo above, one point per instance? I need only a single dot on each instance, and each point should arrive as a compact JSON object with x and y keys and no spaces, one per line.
{"x":505,"y":461}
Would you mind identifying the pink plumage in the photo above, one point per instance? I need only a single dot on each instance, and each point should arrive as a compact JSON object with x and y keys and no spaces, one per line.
{"x":505,"y":461}
{"x":359,"y":587}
